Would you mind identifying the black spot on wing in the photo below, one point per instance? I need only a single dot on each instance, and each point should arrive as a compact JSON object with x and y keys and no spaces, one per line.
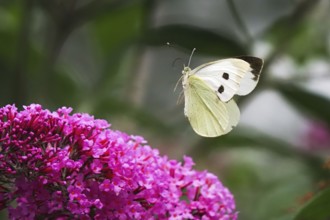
{"x":255,"y":64}
{"x":225,"y":76}
{"x":221,"y":89}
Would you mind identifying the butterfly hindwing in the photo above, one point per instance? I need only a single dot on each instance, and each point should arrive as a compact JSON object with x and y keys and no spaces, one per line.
{"x":208,"y":115}
{"x":233,"y":115}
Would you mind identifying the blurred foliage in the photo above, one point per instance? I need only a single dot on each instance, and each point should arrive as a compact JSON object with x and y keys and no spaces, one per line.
{"x":109,"y":58}
{"x":317,"y":209}
{"x":315,"y":105}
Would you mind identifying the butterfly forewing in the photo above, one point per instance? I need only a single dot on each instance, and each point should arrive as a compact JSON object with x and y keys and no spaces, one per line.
{"x":231,"y":76}
{"x":207,"y":114}
{"x":251,"y":78}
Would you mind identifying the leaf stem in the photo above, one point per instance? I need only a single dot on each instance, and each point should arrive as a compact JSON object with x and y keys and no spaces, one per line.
{"x":239,"y":21}
{"x":22,"y":52}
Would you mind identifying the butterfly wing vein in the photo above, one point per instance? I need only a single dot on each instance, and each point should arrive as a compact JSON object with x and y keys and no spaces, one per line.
{"x":208,"y":115}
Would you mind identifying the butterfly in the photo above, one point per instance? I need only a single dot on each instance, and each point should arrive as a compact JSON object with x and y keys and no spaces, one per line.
{"x":209,"y":90}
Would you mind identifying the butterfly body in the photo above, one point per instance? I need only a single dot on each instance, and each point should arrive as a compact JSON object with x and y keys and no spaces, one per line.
{"x":209,"y":91}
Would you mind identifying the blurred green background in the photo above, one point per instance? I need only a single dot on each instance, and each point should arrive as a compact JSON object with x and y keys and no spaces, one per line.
{"x":109,"y":58}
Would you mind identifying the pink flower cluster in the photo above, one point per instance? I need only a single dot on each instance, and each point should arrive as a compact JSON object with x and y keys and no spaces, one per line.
{"x":57,"y":165}
{"x":317,"y":136}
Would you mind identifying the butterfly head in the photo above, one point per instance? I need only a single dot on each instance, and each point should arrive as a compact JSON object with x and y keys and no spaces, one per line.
{"x":186,"y":70}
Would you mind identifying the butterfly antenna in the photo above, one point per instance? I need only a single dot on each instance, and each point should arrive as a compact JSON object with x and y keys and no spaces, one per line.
{"x":180,"y":99}
{"x":176,"y":60}
{"x":191,"y":56}
{"x":177,"y":83}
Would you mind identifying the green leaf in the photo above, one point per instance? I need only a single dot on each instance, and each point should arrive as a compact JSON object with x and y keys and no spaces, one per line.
{"x":115,"y":107}
{"x":240,"y":138}
{"x":294,"y":30}
{"x":127,"y":23}
{"x":311,"y":103}
{"x":245,"y":137}
{"x":120,"y":26}
{"x":317,"y":208}
{"x":302,"y":33}
{"x":205,"y":41}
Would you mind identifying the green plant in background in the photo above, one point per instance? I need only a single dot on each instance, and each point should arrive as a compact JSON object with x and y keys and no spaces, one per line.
{"x":109,"y":58}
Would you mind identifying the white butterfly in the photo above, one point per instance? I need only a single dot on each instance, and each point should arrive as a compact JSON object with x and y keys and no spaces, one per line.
{"x":209,"y":90}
